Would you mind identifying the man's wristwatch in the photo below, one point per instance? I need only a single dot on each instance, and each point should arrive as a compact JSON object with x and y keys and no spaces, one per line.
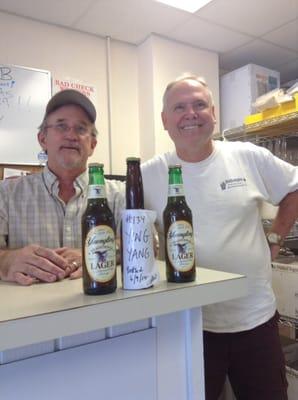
{"x":274,"y":238}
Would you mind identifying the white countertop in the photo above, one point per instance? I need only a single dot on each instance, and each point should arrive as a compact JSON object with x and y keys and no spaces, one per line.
{"x":45,"y":311}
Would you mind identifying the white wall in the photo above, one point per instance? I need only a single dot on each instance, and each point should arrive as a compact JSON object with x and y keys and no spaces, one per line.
{"x":169,"y":60}
{"x":146,"y":100}
{"x":138,"y":77}
{"x":70,"y":54}
{"x":125,"y":105}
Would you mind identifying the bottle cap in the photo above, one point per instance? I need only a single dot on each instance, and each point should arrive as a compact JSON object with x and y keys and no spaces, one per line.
{"x":133,"y":159}
{"x":174,"y":166}
{"x":99,"y":165}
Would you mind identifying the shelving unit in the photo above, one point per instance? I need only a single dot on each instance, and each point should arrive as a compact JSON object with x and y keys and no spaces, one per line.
{"x":285,"y":125}
{"x":260,"y":133}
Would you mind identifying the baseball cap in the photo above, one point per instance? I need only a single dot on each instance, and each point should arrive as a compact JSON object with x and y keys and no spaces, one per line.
{"x":70,"y":96}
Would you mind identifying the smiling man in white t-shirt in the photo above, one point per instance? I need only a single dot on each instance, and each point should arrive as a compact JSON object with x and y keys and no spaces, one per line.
{"x":225,"y":184}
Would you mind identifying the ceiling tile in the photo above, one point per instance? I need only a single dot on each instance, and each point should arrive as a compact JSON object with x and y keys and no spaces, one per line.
{"x":208,"y":35}
{"x":130,"y":20}
{"x":59,"y":12}
{"x":255,"y":17}
{"x":256,"y":52}
{"x":231,"y":27}
{"x":286,"y":36}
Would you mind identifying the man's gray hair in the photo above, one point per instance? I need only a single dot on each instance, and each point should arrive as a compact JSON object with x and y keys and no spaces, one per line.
{"x":187,"y":77}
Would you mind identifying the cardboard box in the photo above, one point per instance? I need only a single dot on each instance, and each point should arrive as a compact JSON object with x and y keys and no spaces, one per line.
{"x":240,"y":88}
{"x":285,"y":286}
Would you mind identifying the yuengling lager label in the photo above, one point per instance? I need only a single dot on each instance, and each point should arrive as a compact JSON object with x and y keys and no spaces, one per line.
{"x":100,"y":253}
{"x":180,"y":245}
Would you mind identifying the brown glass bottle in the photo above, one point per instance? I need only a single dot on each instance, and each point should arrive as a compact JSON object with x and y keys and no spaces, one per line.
{"x":134,"y":184}
{"x":98,"y":238}
{"x":134,"y":194}
{"x":179,"y":241}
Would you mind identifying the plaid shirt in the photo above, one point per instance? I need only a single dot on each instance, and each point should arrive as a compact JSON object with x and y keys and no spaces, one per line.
{"x":31,"y":211}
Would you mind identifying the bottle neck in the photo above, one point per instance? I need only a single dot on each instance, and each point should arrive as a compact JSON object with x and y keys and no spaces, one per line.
{"x":96,"y":187}
{"x":175,"y":189}
{"x":134,"y":187}
{"x":96,"y":177}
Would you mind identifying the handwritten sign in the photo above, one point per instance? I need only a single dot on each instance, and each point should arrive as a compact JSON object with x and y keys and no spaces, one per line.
{"x":24,"y":93}
{"x":139,"y":267}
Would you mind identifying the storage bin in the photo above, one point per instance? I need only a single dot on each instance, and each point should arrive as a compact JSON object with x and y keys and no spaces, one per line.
{"x":282,"y":109}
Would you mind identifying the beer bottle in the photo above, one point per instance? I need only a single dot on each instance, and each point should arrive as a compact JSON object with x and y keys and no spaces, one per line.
{"x":134,"y":197}
{"x":179,"y":241}
{"x":134,"y":184}
{"x":98,"y":238}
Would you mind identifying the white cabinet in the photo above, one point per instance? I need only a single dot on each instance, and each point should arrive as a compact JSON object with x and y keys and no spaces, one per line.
{"x":118,"y":368}
{"x":147,"y":345}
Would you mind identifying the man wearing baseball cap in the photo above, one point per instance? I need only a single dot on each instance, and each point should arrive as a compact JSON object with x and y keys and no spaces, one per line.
{"x":40,"y":214}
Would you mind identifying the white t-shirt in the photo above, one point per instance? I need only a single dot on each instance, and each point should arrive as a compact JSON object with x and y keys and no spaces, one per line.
{"x":225,"y":192}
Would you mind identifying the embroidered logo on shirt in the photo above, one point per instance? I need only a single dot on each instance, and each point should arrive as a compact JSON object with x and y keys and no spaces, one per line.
{"x":232,"y":183}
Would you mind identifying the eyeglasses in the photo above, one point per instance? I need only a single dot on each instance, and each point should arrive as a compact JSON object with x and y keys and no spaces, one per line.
{"x":61,"y":127}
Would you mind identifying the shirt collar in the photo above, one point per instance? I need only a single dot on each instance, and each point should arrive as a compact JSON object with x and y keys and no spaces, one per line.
{"x":52,"y":183}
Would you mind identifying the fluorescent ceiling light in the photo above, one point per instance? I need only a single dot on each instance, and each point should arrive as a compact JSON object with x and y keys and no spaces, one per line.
{"x":186,"y":5}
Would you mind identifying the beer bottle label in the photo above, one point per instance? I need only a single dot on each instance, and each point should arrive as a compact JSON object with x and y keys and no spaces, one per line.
{"x":175,"y":190}
{"x":96,"y":192}
{"x":180,"y":246}
{"x":100,"y":253}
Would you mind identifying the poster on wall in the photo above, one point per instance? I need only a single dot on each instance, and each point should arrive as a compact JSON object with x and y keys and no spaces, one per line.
{"x":68,"y":83}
